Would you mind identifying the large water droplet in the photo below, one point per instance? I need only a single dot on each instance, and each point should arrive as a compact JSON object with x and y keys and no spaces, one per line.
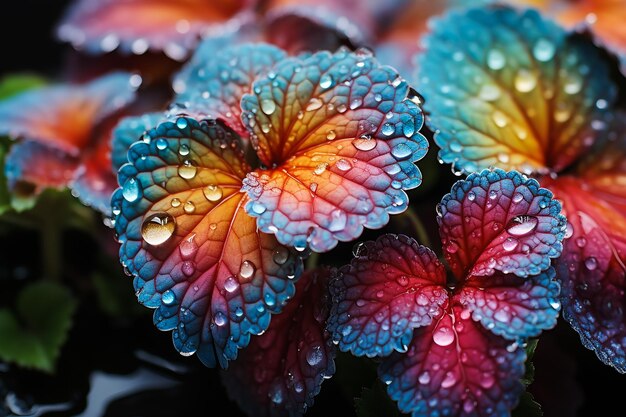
{"x":314,"y":104}
{"x":364,"y":143}
{"x":213,"y":192}
{"x":161,"y":144}
{"x":158,"y":228}
{"x":181,"y":123}
{"x":510,"y":244}
{"x":388,"y":129}
{"x":522,"y":225}
{"x":220,"y":318}
{"x":338,"y":220}
{"x":343,"y":165}
{"x":247,"y":269}
{"x":525,"y":81}
{"x":591,"y":263}
{"x":543,"y":50}
{"x":496,"y":59}
{"x":187,"y":170}
{"x":188,"y":247}
{"x":314,"y":356}
{"x":131,"y":190}
{"x":401,"y":151}
{"x":268,"y":106}
{"x":189,"y":207}
{"x":443,"y":336}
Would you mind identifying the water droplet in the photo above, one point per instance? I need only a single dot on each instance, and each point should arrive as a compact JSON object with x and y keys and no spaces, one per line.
{"x":280,"y":255}
{"x":525,"y":81}
{"x":544,"y":50}
{"x":388,"y":129}
{"x":268,"y":106}
{"x":493,"y":194}
{"x":517,"y":197}
{"x":364,"y":143}
{"x":247,"y":269}
{"x":161,"y":144}
{"x":510,"y":244}
{"x":380,"y":294}
{"x":591,"y":263}
{"x":238,"y":312}
{"x":424,"y":378}
{"x":449,"y":380}
{"x":378,"y":97}
{"x":487,"y":380}
{"x":188,"y":247}
{"x":331,"y":135}
{"x":452,"y":247}
{"x":187,"y":170}
{"x":581,"y":242}
{"x":276,"y":394}
{"x":343,"y":165}
{"x":181,"y":123}
{"x":573,"y":85}
{"x":314,"y":356}
{"x":131,"y":191}
{"x":188,"y":268}
{"x":258,"y":208}
{"x":158,"y":228}
{"x":469,"y":405}
{"x":471,"y":196}
{"x":326,"y":81}
{"x":569,"y":230}
{"x":213,"y":192}
{"x":499,"y":118}
{"x":314,"y":104}
{"x":231,"y":284}
{"x":356,"y":103}
{"x":338,"y":220}
{"x":183,"y":149}
{"x":401,"y":151}
{"x":189,"y":207}
{"x":489,"y":92}
{"x":496,"y":59}
{"x":168,"y":297}
{"x":443,"y":336}
{"x":320,"y":168}
{"x":522,"y":225}
{"x":503,"y":157}
{"x":501,"y":316}
{"x":220,"y":318}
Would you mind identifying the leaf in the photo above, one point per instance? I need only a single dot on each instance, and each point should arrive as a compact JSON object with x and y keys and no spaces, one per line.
{"x":33,"y":334}
{"x":17,"y":83}
{"x":527,"y":407}
{"x":374,"y":402}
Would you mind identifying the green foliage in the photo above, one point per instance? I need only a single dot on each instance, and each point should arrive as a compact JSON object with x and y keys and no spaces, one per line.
{"x":18,"y":83}
{"x":527,"y":406}
{"x":32,"y":334}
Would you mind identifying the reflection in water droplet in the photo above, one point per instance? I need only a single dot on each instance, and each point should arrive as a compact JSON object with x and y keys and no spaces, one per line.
{"x":522,"y":225}
{"x":326,"y":81}
{"x":168,"y":297}
{"x":131,"y":191}
{"x":175,"y":202}
{"x":331,"y":135}
{"x":388,"y":129}
{"x":443,"y":336}
{"x":489,"y":92}
{"x":499,"y":118}
{"x":320,"y":168}
{"x":183,"y":149}
{"x":220,"y":318}
{"x":231,"y":284}
{"x":280,"y":255}
{"x":364,"y":143}
{"x":161,"y":144}
{"x":343,"y":165}
{"x":509,"y":244}
{"x":449,"y":380}
{"x":187,"y":170}
{"x":314,"y":104}
{"x":591,"y":263}
{"x":544,"y":50}
{"x":268,"y":106}
{"x":401,"y":151}
{"x":338,"y":220}
{"x":189,"y":207}
{"x":181,"y":123}
{"x":158,"y":228}
{"x":356,"y":103}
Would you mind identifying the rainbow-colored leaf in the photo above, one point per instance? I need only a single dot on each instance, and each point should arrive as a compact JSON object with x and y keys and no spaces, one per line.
{"x":343,"y":134}
{"x":136,"y":26}
{"x":197,"y":257}
{"x":392,"y":287}
{"x":128,"y":131}
{"x":508,"y":88}
{"x":456,"y":367}
{"x":500,"y":221}
{"x":280,"y":372}
{"x":213,"y":83}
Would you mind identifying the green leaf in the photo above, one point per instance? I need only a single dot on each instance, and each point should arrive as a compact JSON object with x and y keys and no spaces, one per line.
{"x":527,"y":407}
{"x":13,"y":84}
{"x":529,"y":375}
{"x":374,"y":402}
{"x":33,"y":334}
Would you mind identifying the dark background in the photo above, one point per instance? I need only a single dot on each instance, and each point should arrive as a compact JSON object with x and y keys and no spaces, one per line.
{"x":570,"y":381}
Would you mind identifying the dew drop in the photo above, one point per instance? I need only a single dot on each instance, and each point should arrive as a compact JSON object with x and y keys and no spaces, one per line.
{"x":496,"y":59}
{"x":220,"y":318}
{"x":499,"y":118}
{"x":401,"y":151}
{"x":544,"y":50}
{"x":522,"y":225}
{"x":452,"y":247}
{"x":131,"y":190}
{"x":364,"y":143}
{"x":280,"y":255}
{"x":443,"y":336}
{"x":268,"y":106}
{"x":517,"y":197}
{"x":338,"y":220}
{"x":388,"y":129}
{"x":510,"y":244}
{"x":320,"y":168}
{"x":189,"y":207}
{"x":188,"y":268}
{"x":187,"y":170}
{"x":591,"y":263}
{"x":314,"y":356}
{"x":326,"y":81}
{"x":231,"y":284}
{"x":356,"y":103}
{"x":525,"y":81}
{"x":573,"y":85}
{"x":489,"y":92}
{"x":168,"y":297}
{"x":314,"y":104}
{"x":331,"y":135}
{"x":471,"y":196}
{"x":181,"y":123}
{"x":213,"y":192}
{"x":158,"y":228}
{"x":161,"y":144}
{"x":343,"y":165}
{"x":247,"y":269}
{"x":183,"y":149}
{"x":424,"y":378}
{"x":188,"y":247}
{"x":449,"y":380}
{"x":569,"y":230}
